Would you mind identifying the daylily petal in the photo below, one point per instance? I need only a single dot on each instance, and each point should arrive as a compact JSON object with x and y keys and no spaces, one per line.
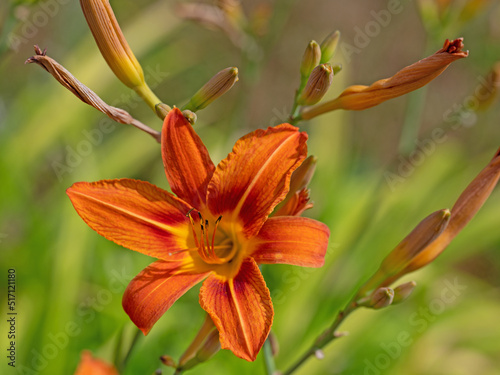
{"x":241,"y":309}
{"x":291,"y":240}
{"x":93,"y":366}
{"x":154,"y":290}
{"x":255,"y":176}
{"x":187,"y":163}
{"x":134,"y":214}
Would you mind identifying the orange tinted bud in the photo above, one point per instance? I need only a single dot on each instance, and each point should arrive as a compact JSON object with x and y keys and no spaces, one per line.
{"x":408,"y":79}
{"x":425,"y":232}
{"x":111,"y":42}
{"x":466,"y":207}
{"x":115,"y":49}
{"x":318,"y":84}
{"x":422,"y":246}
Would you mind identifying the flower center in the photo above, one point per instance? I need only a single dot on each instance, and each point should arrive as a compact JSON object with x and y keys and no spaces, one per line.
{"x":214,"y":246}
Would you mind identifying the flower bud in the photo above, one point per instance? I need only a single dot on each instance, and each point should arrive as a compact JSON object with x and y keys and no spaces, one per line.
{"x":422,"y":246}
{"x":297,"y":199}
{"x":162,"y":110}
{"x":410,"y":78}
{"x":403,"y":291}
{"x":115,"y":49}
{"x":311,"y":59}
{"x":424,"y":233}
{"x":487,"y":93}
{"x":207,"y":350}
{"x":379,"y":299}
{"x":111,"y":42}
{"x":214,"y":88}
{"x":392,"y":267}
{"x":190,"y":116}
{"x":210,"y":347}
{"x":328,"y":46}
{"x":318,"y":84}
{"x":168,"y":361}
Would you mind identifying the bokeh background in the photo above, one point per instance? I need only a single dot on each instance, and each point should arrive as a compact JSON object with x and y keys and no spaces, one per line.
{"x":70,"y":280}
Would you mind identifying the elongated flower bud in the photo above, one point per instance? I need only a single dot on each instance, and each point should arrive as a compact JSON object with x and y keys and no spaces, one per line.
{"x":425,"y":232}
{"x":328,"y":46}
{"x":297,"y":199}
{"x":111,"y":42}
{"x":408,"y":79}
{"x":318,"y":84}
{"x":311,"y":59}
{"x":435,"y":233}
{"x":115,"y":49}
{"x":210,"y":347}
{"x":466,"y":207}
{"x":217,"y":86}
{"x":488,"y":91}
{"x":207,"y":350}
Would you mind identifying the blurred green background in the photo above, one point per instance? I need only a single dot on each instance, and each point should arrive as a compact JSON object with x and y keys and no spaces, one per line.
{"x":70,"y":280}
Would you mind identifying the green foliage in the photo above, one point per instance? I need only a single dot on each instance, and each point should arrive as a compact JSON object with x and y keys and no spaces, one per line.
{"x":71,"y":280}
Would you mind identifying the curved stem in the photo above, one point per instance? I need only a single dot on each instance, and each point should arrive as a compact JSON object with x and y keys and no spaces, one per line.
{"x":268,"y":358}
{"x":123,"y":363}
{"x":325,"y":338}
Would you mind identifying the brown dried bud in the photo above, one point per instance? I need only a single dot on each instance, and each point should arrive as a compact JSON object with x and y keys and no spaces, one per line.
{"x":408,"y":79}
{"x":318,"y":84}
{"x":85,"y":94}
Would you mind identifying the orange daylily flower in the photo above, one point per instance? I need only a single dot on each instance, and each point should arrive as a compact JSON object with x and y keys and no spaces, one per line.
{"x":91,"y":366}
{"x":217,"y":228}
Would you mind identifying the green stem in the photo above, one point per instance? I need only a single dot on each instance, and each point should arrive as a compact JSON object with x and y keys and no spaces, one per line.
{"x":268,"y":358}
{"x":325,"y":338}
{"x":135,"y":339}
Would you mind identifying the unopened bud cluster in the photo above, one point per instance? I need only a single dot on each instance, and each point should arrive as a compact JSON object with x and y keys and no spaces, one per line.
{"x":315,"y":71}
